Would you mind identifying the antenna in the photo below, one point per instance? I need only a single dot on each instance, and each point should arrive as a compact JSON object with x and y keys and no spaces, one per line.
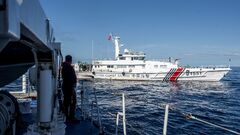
{"x":229,"y":61}
{"x":92,"y":50}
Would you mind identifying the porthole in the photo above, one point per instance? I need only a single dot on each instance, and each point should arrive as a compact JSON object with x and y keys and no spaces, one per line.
{"x":187,"y":73}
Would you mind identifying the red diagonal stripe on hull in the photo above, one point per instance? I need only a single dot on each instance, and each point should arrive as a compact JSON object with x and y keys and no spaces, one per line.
{"x":176,"y":74}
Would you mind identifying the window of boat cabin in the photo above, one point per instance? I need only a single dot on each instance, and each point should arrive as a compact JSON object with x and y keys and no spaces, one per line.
{"x":109,"y":66}
{"x":121,"y":66}
{"x":155,"y":66}
{"x":137,"y":58}
{"x":122,"y":58}
{"x":131,"y":66}
{"x":163,"y":66}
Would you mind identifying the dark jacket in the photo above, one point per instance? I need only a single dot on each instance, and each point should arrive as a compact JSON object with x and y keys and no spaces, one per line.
{"x":69,"y":77}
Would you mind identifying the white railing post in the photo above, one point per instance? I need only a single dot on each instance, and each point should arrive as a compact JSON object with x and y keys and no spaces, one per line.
{"x":82,"y":93}
{"x":24,"y":83}
{"x":165,"y":120}
{"x":117,"y":121}
{"x":124,"y":116}
{"x":98,"y":112}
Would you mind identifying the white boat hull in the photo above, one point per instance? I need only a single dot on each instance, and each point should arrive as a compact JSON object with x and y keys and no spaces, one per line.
{"x":174,"y":74}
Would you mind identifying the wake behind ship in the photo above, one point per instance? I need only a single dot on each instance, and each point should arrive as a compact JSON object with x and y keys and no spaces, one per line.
{"x":133,"y":66}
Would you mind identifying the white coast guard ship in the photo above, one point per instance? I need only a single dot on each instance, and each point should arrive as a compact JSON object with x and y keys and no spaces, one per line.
{"x":133,"y":66}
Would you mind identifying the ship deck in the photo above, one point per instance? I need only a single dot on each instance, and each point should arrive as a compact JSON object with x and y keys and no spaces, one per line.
{"x":85,"y":127}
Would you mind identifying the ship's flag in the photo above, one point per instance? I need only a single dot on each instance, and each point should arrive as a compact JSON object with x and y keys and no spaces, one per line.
{"x":110,"y":37}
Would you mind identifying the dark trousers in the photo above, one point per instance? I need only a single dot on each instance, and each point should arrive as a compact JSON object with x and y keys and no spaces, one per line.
{"x":69,"y":104}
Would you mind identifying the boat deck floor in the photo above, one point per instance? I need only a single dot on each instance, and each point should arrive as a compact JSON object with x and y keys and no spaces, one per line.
{"x":85,"y":127}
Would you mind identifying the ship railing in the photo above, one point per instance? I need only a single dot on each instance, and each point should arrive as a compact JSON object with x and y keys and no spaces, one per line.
{"x":208,"y":67}
{"x":89,"y":106}
{"x":123,"y":114}
{"x":95,"y":104}
{"x":164,"y":60}
{"x":110,"y":59}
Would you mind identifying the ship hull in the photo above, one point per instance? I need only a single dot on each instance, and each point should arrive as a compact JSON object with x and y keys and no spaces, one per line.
{"x":174,"y":74}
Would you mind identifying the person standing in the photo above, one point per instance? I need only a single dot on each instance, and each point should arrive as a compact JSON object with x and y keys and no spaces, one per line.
{"x":68,"y":87}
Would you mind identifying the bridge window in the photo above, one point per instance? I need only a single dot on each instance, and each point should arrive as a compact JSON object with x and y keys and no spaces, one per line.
{"x":122,"y":58}
{"x":155,"y":66}
{"x":137,"y":58}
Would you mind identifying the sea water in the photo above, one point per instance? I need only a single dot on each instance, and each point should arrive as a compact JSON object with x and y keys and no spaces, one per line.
{"x":215,"y":102}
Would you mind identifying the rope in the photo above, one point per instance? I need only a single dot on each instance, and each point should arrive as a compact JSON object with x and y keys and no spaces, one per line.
{"x":214,"y":125}
{"x":137,"y":131}
{"x":190,"y":116}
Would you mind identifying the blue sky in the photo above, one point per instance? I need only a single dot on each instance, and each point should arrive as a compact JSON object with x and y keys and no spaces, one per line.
{"x":199,"y":32}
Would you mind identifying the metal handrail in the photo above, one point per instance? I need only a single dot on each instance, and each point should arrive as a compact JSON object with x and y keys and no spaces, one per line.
{"x":86,"y":113}
{"x":123,"y":114}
